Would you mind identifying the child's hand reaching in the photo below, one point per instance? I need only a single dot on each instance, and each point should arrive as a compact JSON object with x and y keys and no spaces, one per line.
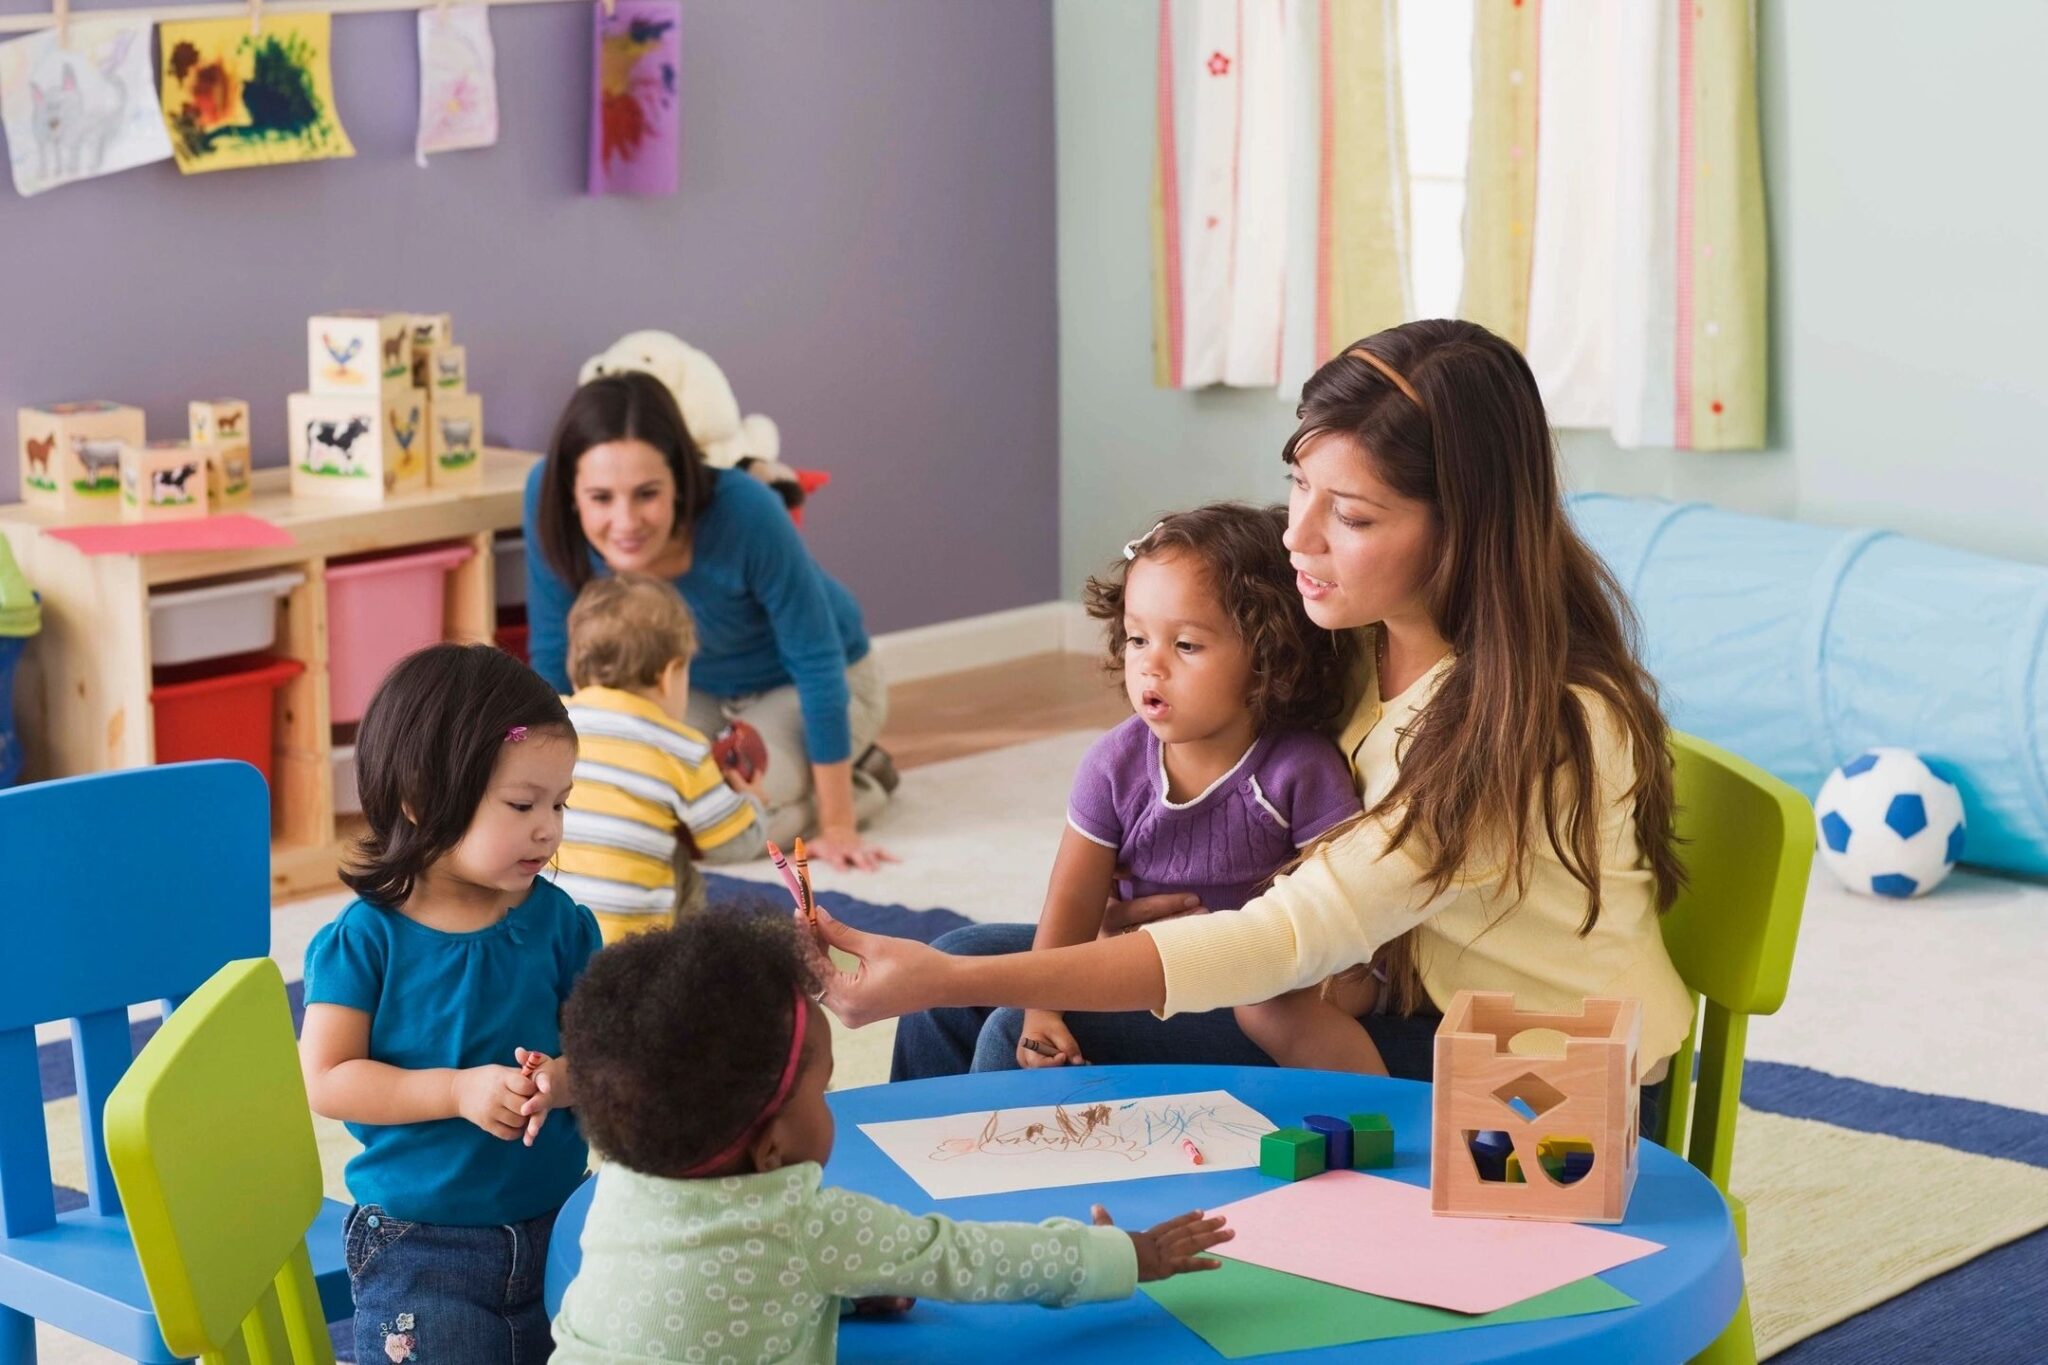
{"x":1175,"y":1246}
{"x":1048,"y":1029}
{"x":490,"y":1097}
{"x":548,"y":1079}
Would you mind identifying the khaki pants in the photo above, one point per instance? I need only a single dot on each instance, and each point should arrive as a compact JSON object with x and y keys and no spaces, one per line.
{"x":786,"y":788}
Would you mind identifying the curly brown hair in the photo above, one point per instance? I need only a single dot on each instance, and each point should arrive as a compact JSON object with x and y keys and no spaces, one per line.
{"x":1301,"y":673}
{"x":678,"y":1034}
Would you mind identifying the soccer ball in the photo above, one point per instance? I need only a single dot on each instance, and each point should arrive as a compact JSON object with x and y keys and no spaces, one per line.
{"x":1889,"y":824}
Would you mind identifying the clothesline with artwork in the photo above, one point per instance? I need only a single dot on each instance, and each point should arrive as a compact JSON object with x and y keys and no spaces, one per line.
{"x":80,"y":99}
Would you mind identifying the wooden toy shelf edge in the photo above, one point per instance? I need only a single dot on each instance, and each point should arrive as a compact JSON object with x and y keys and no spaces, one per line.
{"x":83,"y":697}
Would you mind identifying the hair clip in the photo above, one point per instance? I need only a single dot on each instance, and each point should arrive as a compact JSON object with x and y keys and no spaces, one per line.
{"x":1131,"y":547}
{"x":515,"y":734}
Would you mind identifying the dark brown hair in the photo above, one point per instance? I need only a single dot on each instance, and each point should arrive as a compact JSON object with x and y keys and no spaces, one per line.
{"x":1503,"y":753}
{"x":680,"y":1035}
{"x":624,"y":630}
{"x":629,"y":406}
{"x":1299,"y":670}
{"x":428,"y":745}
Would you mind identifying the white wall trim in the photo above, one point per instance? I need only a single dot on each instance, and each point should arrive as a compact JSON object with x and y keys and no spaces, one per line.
{"x":978,"y":641}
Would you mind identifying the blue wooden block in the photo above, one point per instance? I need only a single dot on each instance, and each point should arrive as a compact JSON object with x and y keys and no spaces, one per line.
{"x":1337,"y":1134}
{"x":1490,"y":1149}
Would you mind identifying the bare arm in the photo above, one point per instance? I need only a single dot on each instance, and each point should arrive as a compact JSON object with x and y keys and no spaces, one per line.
{"x":1075,"y":896}
{"x":898,"y":976}
{"x":342,"y":1082}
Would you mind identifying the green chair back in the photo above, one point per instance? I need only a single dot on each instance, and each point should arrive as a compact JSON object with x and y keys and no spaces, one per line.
{"x":1746,"y":840}
{"x":211,"y":1143}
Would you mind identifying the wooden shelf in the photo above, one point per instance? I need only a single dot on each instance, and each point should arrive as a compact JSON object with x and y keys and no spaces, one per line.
{"x":83,"y":695}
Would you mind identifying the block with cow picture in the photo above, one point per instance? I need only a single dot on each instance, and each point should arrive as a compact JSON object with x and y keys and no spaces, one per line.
{"x":359,"y":354}
{"x":71,"y":457}
{"x":367,"y":449}
{"x":455,"y":441}
{"x":163,"y":481}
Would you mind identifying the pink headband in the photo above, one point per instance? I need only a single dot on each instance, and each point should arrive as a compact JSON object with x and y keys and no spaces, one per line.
{"x":775,"y":1101}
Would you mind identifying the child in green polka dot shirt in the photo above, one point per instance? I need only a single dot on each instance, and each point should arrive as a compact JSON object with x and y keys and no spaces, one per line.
{"x":701,"y":1067}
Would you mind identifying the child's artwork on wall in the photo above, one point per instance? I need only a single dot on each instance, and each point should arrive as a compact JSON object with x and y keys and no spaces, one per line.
{"x":1082,"y":1141}
{"x":232,"y":98}
{"x":458,"y":81}
{"x":636,"y":118}
{"x":81,"y":108}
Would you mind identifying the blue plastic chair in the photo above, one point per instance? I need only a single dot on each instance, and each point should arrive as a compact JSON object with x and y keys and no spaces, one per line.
{"x":115,"y":889}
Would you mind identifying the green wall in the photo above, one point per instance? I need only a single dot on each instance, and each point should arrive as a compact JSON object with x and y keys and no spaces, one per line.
{"x":1910,"y":372}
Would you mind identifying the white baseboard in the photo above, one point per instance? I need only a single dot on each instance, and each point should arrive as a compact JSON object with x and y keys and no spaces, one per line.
{"x":978,"y":641}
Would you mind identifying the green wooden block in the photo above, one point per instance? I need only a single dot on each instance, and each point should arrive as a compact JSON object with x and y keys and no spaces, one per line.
{"x":1372,"y":1142}
{"x":1291,"y":1154}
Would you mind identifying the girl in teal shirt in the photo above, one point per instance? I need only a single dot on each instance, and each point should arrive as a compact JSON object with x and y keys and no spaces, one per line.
{"x":427,"y":998}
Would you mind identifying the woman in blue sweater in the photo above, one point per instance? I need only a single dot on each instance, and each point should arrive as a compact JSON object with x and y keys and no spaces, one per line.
{"x":624,"y":489}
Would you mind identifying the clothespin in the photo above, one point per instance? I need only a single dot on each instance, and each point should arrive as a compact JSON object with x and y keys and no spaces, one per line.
{"x":255,"y":17}
{"x":60,"y":11}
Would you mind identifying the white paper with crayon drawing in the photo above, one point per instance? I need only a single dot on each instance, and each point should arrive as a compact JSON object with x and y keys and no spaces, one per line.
{"x":1083,"y":1141}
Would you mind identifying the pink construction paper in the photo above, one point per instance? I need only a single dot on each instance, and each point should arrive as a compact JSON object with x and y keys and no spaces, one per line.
{"x":1378,"y":1236}
{"x":233,"y":532}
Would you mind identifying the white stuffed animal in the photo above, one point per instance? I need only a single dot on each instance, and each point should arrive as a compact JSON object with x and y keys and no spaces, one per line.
{"x":710,"y":411}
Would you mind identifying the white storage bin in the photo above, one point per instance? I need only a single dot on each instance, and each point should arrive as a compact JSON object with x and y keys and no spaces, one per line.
{"x":342,"y":758}
{"x":508,"y":570}
{"x":187,"y":624}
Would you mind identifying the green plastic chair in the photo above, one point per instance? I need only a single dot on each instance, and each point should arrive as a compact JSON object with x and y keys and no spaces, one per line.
{"x":211,"y":1143}
{"x":1746,"y":840}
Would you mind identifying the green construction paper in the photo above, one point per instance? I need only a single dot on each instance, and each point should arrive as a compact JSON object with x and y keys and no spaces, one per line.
{"x":1247,"y":1310}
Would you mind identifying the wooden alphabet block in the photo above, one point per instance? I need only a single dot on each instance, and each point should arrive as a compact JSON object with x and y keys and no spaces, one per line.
{"x":359,"y":354}
{"x":218,"y":421}
{"x":71,"y":457}
{"x":163,"y":481}
{"x":455,"y":440}
{"x":357,"y":447}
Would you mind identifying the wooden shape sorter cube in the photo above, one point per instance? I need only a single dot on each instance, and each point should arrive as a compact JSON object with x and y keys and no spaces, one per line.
{"x":1586,"y":1087}
{"x":71,"y":457}
{"x":359,"y":354}
{"x":455,"y":440}
{"x":163,"y":481}
{"x":364,"y":448}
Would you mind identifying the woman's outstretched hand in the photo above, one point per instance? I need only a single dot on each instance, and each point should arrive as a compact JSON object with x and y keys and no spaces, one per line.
{"x":847,"y":851}
{"x":893,"y":976}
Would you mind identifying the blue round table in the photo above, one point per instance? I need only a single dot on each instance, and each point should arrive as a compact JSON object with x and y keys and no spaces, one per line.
{"x":1685,"y":1294}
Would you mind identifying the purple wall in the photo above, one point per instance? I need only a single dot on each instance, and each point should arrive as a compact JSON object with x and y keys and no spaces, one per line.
{"x":863,"y":239}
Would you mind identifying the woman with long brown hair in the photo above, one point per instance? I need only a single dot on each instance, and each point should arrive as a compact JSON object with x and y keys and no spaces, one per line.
{"x":1508,"y":745}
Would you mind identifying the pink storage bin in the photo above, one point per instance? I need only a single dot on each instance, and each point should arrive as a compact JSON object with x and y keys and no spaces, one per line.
{"x":378,"y":611}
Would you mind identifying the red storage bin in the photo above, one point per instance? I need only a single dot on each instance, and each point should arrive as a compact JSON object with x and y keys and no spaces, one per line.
{"x":378,"y":611}
{"x":220,"y":709}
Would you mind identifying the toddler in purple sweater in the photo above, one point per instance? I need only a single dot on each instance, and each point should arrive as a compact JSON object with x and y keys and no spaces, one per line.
{"x":1226,"y":770}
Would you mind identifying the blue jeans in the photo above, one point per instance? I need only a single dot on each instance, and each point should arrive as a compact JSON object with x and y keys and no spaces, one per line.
{"x":947,"y":1042}
{"x":444,"y":1295}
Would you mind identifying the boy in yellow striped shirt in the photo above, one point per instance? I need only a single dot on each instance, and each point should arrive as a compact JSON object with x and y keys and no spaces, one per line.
{"x":649,"y":796}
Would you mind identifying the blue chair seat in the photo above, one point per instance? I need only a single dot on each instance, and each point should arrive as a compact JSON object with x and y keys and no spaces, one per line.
{"x":83,"y":1278}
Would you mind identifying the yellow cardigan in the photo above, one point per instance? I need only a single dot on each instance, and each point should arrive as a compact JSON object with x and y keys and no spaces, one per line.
{"x":1354,"y":894}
